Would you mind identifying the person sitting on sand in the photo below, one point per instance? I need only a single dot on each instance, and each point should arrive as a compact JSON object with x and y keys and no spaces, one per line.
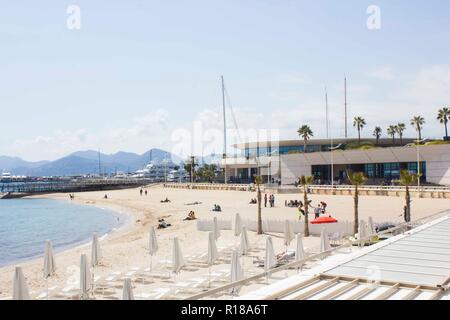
{"x":163,"y":224}
{"x":106,"y":196}
{"x":191,"y":216}
{"x":165,"y":201}
{"x":217,"y":208}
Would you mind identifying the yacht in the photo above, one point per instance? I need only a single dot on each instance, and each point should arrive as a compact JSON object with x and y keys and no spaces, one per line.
{"x":6,"y":177}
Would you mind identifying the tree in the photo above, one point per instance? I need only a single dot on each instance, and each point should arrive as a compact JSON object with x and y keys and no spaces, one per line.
{"x":190,"y":167}
{"x":391,"y":131}
{"x":417,"y":122}
{"x":408,"y":179}
{"x":305,"y":181}
{"x":207,"y":172}
{"x":443,"y":117}
{"x":377,"y":133}
{"x":356,"y":179}
{"x":400,"y":127}
{"x":306,"y":133}
{"x":258,"y":182}
{"x":359,"y":123}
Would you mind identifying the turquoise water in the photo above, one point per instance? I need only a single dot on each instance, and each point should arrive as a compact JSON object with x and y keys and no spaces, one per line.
{"x":25,"y":224}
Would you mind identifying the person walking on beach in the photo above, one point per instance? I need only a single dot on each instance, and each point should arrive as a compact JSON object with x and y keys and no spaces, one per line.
{"x":146,"y":192}
{"x":265,"y":200}
{"x":140,"y":191}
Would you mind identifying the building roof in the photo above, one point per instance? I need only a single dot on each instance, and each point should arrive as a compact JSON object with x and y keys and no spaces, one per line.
{"x":299,"y":142}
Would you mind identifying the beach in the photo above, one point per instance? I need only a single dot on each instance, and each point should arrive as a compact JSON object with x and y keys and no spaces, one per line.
{"x":126,"y":248}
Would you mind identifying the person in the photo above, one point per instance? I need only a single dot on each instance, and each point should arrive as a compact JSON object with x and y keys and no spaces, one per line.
{"x":317,"y":211}
{"x":145,"y":192}
{"x":324,"y":206}
{"x":191,"y":216}
{"x":166,"y":200}
{"x":163,"y":224}
{"x":106,"y":196}
{"x":140,"y":191}
{"x":265,"y":199}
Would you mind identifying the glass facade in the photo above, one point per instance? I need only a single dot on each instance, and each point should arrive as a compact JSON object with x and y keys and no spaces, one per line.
{"x":263,"y":151}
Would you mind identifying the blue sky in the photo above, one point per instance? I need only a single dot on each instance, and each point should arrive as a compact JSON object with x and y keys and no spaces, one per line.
{"x":139,"y":71}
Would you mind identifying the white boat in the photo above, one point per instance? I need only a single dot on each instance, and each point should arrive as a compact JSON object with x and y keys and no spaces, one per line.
{"x":6,"y":177}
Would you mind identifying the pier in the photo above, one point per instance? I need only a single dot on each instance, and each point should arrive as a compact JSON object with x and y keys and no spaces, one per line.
{"x":21,"y":189}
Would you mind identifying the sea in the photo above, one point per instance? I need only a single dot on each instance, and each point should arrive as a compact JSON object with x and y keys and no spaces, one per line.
{"x":25,"y":224}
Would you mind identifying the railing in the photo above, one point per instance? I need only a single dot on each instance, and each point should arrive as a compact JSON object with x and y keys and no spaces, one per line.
{"x":298,"y":264}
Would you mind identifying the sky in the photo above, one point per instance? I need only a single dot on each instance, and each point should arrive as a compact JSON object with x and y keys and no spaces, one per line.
{"x":143,"y":74}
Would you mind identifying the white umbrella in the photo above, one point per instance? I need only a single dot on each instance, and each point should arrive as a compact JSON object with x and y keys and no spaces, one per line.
{"x":237,"y":273}
{"x":177,"y":256}
{"x":96,"y":254}
{"x":20,"y":288}
{"x":362,"y":231}
{"x":127,"y":293}
{"x":288,"y":233}
{"x":237,"y":225}
{"x":299,"y":250}
{"x":85,"y":276}
{"x":212,"y":253}
{"x":245,"y":244}
{"x":324,"y":241}
{"x":371,"y":226}
{"x":152,"y":245}
{"x":49,"y":262}
{"x":270,"y":259}
{"x":216,"y":229}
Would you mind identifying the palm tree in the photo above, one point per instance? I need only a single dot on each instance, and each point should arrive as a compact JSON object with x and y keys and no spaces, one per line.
{"x":305,"y":132}
{"x":359,"y":123}
{"x":391,"y":131}
{"x":305,"y":181}
{"x":377,"y":133}
{"x":443,"y":117}
{"x":356,"y":179}
{"x":400,"y":127}
{"x":407,"y":179}
{"x":258,"y":182}
{"x":417,"y":122}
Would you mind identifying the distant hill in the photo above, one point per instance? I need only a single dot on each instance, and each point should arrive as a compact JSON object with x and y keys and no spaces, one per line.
{"x":86,"y":162}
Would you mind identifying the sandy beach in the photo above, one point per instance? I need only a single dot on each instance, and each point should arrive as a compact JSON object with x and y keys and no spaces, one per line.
{"x":126,"y":249}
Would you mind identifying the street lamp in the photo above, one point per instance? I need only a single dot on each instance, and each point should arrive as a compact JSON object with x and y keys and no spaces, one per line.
{"x":418,"y":142}
{"x":331,"y":148}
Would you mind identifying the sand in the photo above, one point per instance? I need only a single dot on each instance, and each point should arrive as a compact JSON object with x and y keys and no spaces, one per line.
{"x":126,"y":249}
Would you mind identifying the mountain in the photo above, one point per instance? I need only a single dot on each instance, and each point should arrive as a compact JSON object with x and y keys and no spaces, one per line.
{"x":86,"y":162}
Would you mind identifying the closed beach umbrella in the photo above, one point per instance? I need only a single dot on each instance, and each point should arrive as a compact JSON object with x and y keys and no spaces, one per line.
{"x":237,"y":273}
{"x":20,"y":288}
{"x":127,"y":293}
{"x":85,"y":276}
{"x":245,"y":244}
{"x":153,"y":242}
{"x":362,"y":230}
{"x":177,"y":256}
{"x":270,"y":259}
{"x":95,"y":251}
{"x":371,"y":226}
{"x":49,"y":260}
{"x":212,"y":249}
{"x":324,"y":241}
{"x":237,"y":225}
{"x":299,"y":250}
{"x":288,"y":233}
{"x":216,"y":229}
{"x":152,"y":246}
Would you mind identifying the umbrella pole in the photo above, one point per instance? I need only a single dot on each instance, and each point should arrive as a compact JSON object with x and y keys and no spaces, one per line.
{"x":46,"y":283}
{"x":93,"y":279}
{"x":209,"y":281}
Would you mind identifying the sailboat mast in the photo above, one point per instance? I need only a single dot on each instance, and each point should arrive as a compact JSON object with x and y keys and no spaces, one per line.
{"x":224,"y":156}
{"x":345,"y":105}
{"x":326,"y":112}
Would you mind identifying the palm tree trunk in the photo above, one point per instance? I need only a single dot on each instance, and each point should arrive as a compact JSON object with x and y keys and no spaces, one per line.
{"x":259,"y":231}
{"x":359,"y":136}
{"x":408,"y":205}
{"x":305,"y":199}
{"x":420,"y":134}
{"x":446,"y":130}
{"x":304,"y":145}
{"x":401,"y":139}
{"x":393,"y":139}
{"x":356,"y":219}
